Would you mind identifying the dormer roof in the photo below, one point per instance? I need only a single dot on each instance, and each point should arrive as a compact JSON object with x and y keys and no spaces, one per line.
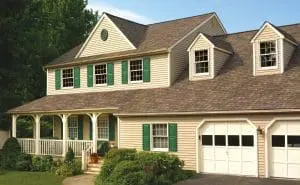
{"x":279,"y":31}
{"x":214,"y":41}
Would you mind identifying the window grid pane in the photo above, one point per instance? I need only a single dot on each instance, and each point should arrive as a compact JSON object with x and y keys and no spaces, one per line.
{"x":73,"y":127}
{"x":103,"y":127}
{"x":136,"y":70}
{"x":268,"y":56}
{"x":201,"y":61}
{"x":67,"y":77}
{"x":100,"y":74}
{"x":160,"y":135}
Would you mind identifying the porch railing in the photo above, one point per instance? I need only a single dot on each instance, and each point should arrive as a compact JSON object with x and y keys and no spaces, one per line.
{"x":27,"y":145}
{"x":51,"y":147}
{"x":79,"y":145}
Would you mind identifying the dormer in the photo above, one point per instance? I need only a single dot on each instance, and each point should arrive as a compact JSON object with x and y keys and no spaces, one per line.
{"x":207,"y":55}
{"x":272,"y":50}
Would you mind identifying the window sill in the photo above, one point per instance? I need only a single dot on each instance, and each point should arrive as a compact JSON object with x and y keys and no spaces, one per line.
{"x":159,"y":149}
{"x":67,"y":87}
{"x":102,"y":139}
{"x":100,"y":85}
{"x":136,"y":82}
{"x":201,"y":74}
{"x":268,"y":68}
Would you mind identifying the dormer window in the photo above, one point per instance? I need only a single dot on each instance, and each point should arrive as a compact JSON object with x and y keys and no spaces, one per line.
{"x":201,"y":61}
{"x":268,"y":54}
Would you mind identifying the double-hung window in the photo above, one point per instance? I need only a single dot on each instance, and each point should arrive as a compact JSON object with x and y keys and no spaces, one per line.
{"x":136,"y":70}
{"x":73,"y":127}
{"x":103,"y":128}
{"x":100,"y":74}
{"x":160,"y":139}
{"x":68,"y":77}
{"x":268,"y":54}
{"x":201,"y":61}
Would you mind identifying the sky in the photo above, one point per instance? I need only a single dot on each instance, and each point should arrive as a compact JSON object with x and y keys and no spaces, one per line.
{"x":236,"y":15}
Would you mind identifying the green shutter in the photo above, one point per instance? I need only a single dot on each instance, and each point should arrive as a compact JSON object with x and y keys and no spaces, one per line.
{"x":91,"y":129}
{"x":112,"y":127}
{"x":110,"y":74}
{"x":90,"y":75}
{"x":146,"y":69}
{"x":146,"y":137}
{"x":125,"y":72}
{"x":61,"y":129}
{"x":57,"y":79}
{"x":80,"y":127}
{"x":172,"y":137}
{"x":76,"y":77}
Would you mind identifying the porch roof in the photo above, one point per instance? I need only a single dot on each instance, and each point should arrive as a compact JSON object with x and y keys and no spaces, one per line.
{"x":234,"y":89}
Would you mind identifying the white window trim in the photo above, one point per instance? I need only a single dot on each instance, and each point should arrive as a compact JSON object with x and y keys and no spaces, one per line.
{"x":194,"y":62}
{"x":276,"y":53}
{"x":76,"y":138}
{"x":94,"y":75}
{"x":151,"y":138}
{"x":61,"y":78}
{"x":129,"y":74}
{"x":103,"y":139}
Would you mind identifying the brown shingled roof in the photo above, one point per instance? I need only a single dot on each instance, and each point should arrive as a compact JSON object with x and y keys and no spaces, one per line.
{"x":146,"y":38}
{"x":233,"y":89}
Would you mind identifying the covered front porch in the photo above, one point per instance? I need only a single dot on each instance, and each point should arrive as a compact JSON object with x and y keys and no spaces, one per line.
{"x":82,"y":131}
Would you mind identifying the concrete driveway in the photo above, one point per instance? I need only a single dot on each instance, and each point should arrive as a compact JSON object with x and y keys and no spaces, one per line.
{"x":234,"y":180}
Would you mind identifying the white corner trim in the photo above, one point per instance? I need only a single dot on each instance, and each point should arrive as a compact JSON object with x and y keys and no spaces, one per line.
{"x":212,"y":53}
{"x":193,"y":30}
{"x":263,"y":27}
{"x":222,"y":120}
{"x":281,"y":56}
{"x":94,"y":30}
{"x":118,"y":122}
{"x":169,"y":69}
{"x":269,"y":125}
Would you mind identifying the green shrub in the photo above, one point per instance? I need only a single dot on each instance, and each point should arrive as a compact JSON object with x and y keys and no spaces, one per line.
{"x":67,"y":169}
{"x":10,"y":153}
{"x":24,"y":162}
{"x":120,"y":172}
{"x":70,"y":156}
{"x":42,"y":163}
{"x":103,"y":148}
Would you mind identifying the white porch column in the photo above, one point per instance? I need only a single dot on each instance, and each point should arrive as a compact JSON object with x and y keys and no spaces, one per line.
{"x":37,"y":133}
{"x":94,"y":118}
{"x":14,"y":125}
{"x":65,"y":132}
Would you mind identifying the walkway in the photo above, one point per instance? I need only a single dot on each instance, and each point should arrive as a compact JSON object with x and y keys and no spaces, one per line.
{"x":80,"y":180}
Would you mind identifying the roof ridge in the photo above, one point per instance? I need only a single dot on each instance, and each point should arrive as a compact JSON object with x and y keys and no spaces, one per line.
{"x":252,"y":30}
{"x":162,"y":22}
{"x":125,"y":19}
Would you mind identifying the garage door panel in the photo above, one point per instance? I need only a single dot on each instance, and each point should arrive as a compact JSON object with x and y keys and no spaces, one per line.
{"x":294,"y":156}
{"x":233,"y":129}
{"x":279,"y":170}
{"x":278,"y":155}
{"x":247,"y":129}
{"x":248,"y":154}
{"x":248,"y":168}
{"x":220,"y":153}
{"x":234,"y":154}
{"x":278,"y":129}
{"x":235,"y":167}
{"x":208,"y":166}
{"x":293,"y":171}
{"x":220,"y":128}
{"x":208,"y":129}
{"x":221,"y":167}
{"x":207,"y":153}
{"x":293,"y":128}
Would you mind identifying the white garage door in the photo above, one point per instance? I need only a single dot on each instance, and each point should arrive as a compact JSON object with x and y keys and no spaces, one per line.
{"x":284,"y":150}
{"x":228,"y":148}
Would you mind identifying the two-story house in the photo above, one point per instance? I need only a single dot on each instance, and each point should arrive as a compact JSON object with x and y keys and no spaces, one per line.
{"x":224,"y":103}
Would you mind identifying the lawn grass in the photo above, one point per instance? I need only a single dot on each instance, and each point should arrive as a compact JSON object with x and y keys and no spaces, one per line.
{"x":29,"y":178}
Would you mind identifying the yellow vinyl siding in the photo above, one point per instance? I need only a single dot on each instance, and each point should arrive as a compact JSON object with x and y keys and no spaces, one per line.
{"x":288,"y":50}
{"x":219,"y":60}
{"x":116,"y":41}
{"x":159,"y":78}
{"x":200,"y":44}
{"x":179,"y":54}
{"x":131,"y":134}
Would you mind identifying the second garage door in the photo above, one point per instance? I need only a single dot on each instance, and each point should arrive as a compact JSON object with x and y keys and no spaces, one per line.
{"x":228,"y":148}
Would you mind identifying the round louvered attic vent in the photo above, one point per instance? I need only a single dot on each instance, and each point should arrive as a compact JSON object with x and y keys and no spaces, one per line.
{"x":104,"y":34}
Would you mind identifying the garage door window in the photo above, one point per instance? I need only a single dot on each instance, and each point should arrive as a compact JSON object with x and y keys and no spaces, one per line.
{"x":220,"y":140}
{"x":207,"y":140}
{"x":247,"y":140}
{"x":233,"y":140}
{"x":293,"y":141}
{"x":278,"y":141}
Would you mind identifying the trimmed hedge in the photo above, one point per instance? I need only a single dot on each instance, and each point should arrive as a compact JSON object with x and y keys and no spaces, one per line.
{"x":10,"y":152}
{"x":129,"y":167}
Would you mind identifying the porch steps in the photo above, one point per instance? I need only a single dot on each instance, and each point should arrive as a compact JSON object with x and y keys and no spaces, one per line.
{"x":94,"y":169}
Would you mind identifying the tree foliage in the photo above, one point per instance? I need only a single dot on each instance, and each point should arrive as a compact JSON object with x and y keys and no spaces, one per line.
{"x":32,"y":33}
